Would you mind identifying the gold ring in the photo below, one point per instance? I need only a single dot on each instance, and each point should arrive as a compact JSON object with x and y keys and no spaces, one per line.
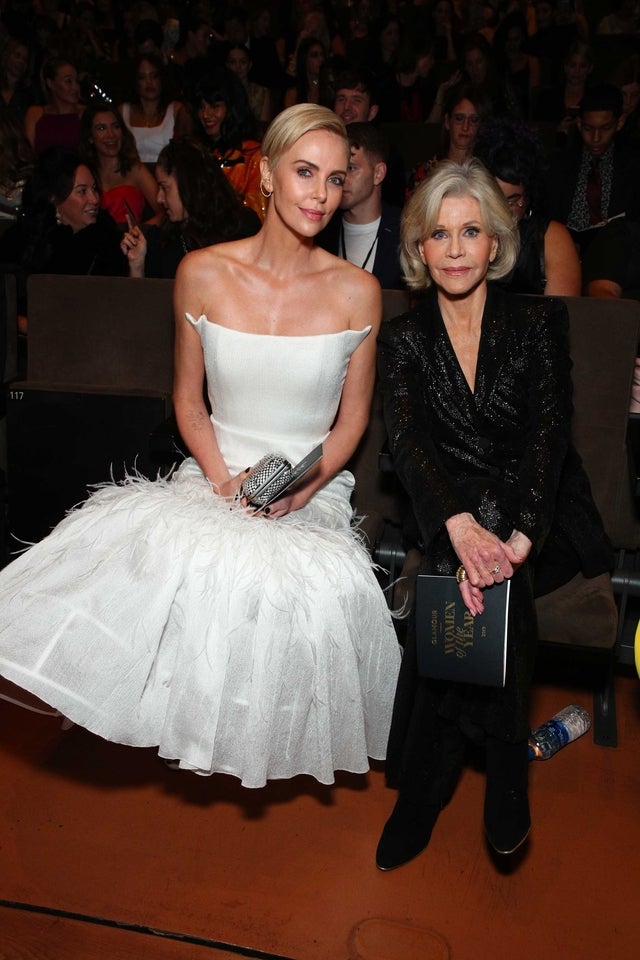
{"x":461,"y":574}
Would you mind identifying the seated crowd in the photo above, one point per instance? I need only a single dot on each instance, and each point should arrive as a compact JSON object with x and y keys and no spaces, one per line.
{"x":108,"y":91}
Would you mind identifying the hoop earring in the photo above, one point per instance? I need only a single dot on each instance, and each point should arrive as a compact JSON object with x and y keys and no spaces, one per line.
{"x":262,"y":191}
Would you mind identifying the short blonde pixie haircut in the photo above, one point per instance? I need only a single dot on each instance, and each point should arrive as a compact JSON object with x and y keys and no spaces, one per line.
{"x":420,"y":217}
{"x":285,"y":129}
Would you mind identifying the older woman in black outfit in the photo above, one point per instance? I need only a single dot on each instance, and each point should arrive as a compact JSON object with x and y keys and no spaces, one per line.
{"x":478,"y":406}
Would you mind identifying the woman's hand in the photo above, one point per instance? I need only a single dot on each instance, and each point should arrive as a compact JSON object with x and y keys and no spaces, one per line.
{"x":473,"y":598}
{"x":485,"y":558}
{"x":134,"y":247}
{"x":522,"y":546}
{"x":230,"y":489}
{"x":279,"y":508}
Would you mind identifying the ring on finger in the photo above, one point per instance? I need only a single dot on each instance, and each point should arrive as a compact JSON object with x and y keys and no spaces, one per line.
{"x":461,"y":574}
{"x":496,"y":569}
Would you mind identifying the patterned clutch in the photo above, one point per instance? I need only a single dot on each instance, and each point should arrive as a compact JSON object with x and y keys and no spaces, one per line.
{"x":269,"y":477}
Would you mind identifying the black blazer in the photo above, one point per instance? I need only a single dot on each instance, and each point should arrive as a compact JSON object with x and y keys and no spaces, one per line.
{"x":502,"y":452}
{"x":386,"y":266}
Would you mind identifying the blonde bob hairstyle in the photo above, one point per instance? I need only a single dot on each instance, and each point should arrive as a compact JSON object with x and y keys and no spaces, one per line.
{"x":420,"y":217}
{"x":293,"y":123}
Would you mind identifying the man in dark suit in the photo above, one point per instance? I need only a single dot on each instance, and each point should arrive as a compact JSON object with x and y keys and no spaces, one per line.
{"x":597,"y":180}
{"x":365,"y":230}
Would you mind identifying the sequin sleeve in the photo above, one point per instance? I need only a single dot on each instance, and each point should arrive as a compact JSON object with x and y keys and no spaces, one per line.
{"x":401,"y":365}
{"x":548,"y":432}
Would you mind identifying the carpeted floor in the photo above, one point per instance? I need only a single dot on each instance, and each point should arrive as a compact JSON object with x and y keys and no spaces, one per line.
{"x":175,"y":866}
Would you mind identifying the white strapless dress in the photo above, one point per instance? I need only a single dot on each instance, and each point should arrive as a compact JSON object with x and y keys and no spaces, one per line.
{"x":158,"y":615}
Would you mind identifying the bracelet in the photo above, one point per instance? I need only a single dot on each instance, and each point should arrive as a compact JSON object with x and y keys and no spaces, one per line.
{"x":461,"y":574}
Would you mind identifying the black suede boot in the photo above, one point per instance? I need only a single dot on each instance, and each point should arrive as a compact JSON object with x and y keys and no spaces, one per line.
{"x":407,"y":831}
{"x":507,"y":820}
{"x":423,"y":794}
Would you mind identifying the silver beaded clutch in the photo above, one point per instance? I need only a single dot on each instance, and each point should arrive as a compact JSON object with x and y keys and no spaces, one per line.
{"x":270,"y":475}
{"x":273,"y":474}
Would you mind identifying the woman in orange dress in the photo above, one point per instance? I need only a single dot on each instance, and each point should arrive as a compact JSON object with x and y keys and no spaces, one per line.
{"x":225,"y":124}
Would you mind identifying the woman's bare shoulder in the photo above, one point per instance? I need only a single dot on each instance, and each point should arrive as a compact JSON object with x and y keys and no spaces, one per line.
{"x":34,"y":112}
{"x":212,"y":268}
{"x":345,"y":273}
{"x":352,"y":289}
{"x":219,"y":256}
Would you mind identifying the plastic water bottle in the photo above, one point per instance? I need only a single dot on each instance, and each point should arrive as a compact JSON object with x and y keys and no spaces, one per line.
{"x":562,"y":728}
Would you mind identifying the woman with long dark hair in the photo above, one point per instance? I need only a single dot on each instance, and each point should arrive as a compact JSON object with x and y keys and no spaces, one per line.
{"x":200,"y":208}
{"x":127,"y":188}
{"x":16,"y":163}
{"x":306,"y":65}
{"x":150,"y":114}
{"x":16,"y":63}
{"x":226,"y":126}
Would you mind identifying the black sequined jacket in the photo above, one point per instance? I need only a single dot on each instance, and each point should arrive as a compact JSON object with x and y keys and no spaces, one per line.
{"x":502,"y":452}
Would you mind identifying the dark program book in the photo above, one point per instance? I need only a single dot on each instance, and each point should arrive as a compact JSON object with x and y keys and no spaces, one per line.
{"x":453,"y":644}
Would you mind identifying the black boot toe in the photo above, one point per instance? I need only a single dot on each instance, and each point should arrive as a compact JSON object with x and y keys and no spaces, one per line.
{"x":507,"y":820}
{"x":406,"y":833}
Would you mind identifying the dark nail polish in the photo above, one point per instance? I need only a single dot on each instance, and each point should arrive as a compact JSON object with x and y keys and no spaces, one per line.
{"x":267,"y":509}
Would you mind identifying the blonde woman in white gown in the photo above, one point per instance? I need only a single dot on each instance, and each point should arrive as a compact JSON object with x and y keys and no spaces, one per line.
{"x":167,"y":614}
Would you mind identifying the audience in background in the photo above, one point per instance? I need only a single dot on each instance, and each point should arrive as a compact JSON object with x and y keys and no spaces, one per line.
{"x":540,"y":63}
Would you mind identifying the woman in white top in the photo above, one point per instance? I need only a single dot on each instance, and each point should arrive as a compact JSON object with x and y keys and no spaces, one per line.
{"x":149,"y":115}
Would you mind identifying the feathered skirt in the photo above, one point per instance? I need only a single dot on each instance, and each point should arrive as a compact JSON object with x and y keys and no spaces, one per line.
{"x":158,"y":615}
